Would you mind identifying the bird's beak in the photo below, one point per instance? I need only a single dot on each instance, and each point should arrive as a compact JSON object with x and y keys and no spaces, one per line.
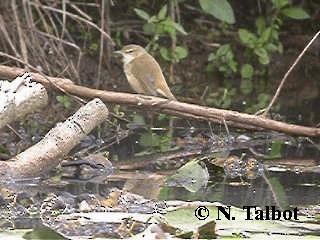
{"x":117,"y":52}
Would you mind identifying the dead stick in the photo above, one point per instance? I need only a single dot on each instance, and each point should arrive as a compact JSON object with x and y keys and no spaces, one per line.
{"x":287,"y":74}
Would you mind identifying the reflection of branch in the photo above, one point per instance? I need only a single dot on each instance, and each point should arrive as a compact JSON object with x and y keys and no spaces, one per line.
{"x":181,"y":109}
{"x":287,"y":74}
{"x":48,"y":153}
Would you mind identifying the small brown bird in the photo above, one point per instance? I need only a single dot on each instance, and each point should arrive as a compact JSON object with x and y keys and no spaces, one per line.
{"x":143,"y":72}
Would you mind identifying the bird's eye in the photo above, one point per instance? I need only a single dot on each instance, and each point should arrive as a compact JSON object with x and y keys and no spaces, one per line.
{"x":129,"y":51}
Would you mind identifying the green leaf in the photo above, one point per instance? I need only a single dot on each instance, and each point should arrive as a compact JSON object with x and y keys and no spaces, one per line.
{"x":233,"y":65}
{"x":212,"y":57}
{"x":142,"y":14}
{"x":179,"y":28}
{"x":295,"y":13}
{"x":247,"y":37}
{"x":153,"y":19}
{"x":260,"y":24}
{"x":280,"y":3}
{"x":165,"y":54}
{"x":94,"y":47}
{"x":262,"y":55}
{"x":192,"y":176}
{"x":223,"y":50}
{"x":149,"y":28}
{"x":276,"y":149}
{"x":181,"y":52}
{"x":220,"y":9}
{"x":166,"y":26}
{"x":246,"y":86}
{"x":270,"y":47}
{"x":163,"y":12}
{"x":247,"y":71}
{"x":265,"y":35}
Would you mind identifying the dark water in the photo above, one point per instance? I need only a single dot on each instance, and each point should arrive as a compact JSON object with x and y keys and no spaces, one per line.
{"x":238,"y":170}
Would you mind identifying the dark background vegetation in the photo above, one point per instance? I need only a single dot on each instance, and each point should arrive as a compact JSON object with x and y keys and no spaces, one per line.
{"x":228,"y":54}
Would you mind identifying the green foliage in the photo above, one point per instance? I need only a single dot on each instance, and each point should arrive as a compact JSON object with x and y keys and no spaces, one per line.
{"x":224,"y":97}
{"x":247,"y":71}
{"x":117,"y":110}
{"x":3,"y":149}
{"x":224,"y":60}
{"x":262,"y":100}
{"x":155,"y":142}
{"x":278,"y":4}
{"x":295,"y":13}
{"x":173,"y":56}
{"x":249,"y":68}
{"x":161,"y":24}
{"x":246,"y":86}
{"x":94,"y":47}
{"x":220,"y":9}
{"x":265,"y":40}
{"x":275,"y":149}
{"x":262,"y":43}
{"x":192,"y":176}
{"x":64,"y":100}
{"x":283,"y":7}
{"x":90,"y":37}
{"x":138,"y":119}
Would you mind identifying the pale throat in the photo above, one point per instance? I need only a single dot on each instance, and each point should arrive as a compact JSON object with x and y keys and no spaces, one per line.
{"x":127,"y":58}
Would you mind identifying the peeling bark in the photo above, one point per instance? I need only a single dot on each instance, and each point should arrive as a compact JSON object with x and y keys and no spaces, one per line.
{"x":20,"y":97}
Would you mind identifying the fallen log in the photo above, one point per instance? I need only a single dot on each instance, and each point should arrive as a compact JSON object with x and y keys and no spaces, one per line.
{"x":49,"y":152}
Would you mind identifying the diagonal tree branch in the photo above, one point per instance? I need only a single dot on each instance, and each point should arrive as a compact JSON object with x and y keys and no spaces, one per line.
{"x":180,"y":109}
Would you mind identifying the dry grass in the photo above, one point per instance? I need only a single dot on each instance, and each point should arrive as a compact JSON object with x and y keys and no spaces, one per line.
{"x":46,"y":35}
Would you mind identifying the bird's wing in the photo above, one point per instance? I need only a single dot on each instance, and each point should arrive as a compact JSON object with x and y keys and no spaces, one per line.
{"x":147,"y":79}
{"x":161,"y":87}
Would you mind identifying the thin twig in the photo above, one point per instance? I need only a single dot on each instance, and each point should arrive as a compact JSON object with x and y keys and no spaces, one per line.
{"x":64,"y":19}
{"x":43,"y":75}
{"x":24,"y":51}
{"x":82,"y":13}
{"x":287,"y":74}
{"x":77,"y":18}
{"x":14,"y":131}
{"x":102,"y":19}
{"x":7,"y":37}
